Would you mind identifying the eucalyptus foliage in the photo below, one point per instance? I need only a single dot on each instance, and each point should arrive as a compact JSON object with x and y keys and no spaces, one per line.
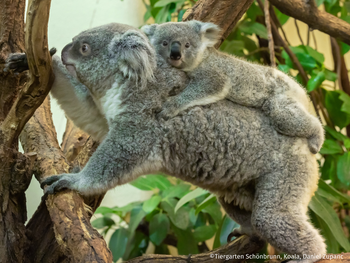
{"x":192,"y":217}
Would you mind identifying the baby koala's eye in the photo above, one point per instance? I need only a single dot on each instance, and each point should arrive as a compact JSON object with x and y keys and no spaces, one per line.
{"x":85,"y":48}
{"x":165,"y":43}
{"x":187,"y":45}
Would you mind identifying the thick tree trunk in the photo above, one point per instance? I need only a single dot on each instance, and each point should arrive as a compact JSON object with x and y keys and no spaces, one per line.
{"x":15,"y":168}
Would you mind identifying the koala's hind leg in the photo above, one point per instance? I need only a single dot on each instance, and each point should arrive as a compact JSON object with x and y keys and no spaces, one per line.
{"x":290,"y":118}
{"x":280,"y":214}
{"x":240,"y":216}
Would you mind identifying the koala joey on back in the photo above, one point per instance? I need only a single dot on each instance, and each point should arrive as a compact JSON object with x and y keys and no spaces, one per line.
{"x":111,"y":84}
{"x":215,"y":75}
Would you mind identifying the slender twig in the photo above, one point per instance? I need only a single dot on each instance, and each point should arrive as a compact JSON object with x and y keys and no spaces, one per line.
{"x":269,"y":34}
{"x":274,"y":18}
{"x":298,"y":31}
{"x":337,"y":60}
{"x":308,"y":36}
{"x":314,"y":37}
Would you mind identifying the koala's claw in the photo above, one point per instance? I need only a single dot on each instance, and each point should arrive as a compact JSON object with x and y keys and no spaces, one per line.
{"x":235,"y":233}
{"x":18,"y":61}
{"x":57,"y":183}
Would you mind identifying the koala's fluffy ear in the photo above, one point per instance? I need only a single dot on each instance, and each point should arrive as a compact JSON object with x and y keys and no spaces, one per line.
{"x":149,"y":29}
{"x":209,"y":32}
{"x":135,"y":56}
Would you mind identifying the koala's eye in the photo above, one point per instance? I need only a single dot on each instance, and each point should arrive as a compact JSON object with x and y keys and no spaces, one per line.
{"x":187,"y":45}
{"x":165,"y":43}
{"x":85,"y":48}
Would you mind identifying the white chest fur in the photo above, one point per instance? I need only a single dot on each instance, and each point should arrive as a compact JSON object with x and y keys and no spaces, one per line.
{"x":110,"y":103}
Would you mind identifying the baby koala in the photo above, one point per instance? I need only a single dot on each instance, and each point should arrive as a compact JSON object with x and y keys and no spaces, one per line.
{"x":189,"y":46}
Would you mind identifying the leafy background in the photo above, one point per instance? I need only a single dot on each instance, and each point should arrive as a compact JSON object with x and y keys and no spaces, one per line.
{"x":182,"y":216}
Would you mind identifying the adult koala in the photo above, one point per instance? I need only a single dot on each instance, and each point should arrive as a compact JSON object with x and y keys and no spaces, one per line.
{"x":108,"y":83}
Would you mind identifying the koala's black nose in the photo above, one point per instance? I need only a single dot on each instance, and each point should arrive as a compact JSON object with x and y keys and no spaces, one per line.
{"x":175,"y":52}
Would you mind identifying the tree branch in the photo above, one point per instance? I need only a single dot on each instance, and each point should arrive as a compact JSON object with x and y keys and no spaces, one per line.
{"x":269,"y":33}
{"x":240,"y":246}
{"x":307,"y":12}
{"x":70,"y":222}
{"x":41,"y":75}
{"x":224,"y":13}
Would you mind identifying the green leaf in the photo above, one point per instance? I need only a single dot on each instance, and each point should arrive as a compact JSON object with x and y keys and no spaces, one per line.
{"x":162,"y":15}
{"x":344,"y":48}
{"x":330,"y":75}
{"x":319,"y":2}
{"x":226,"y":227}
{"x":329,"y":168}
{"x":333,"y":104}
{"x":319,"y":57}
{"x":104,"y":210}
{"x":214,"y":210}
{"x":330,"y":217}
{"x":208,"y":201}
{"x":102,"y":222}
{"x":176,"y":191}
{"x":315,"y":81}
{"x":117,"y":243}
{"x":331,"y":193}
{"x":281,"y":17}
{"x":338,"y":136}
{"x":126,"y":208}
{"x":159,"y":228}
{"x":346,"y":101}
{"x":284,"y":68}
{"x":254,"y":11}
{"x":181,"y":218}
{"x":306,"y":61}
{"x":150,"y":204}
{"x":185,"y":242}
{"x":150,"y":182}
{"x":203,"y":233}
{"x":331,"y":242}
{"x":190,"y":196}
{"x":343,"y":168}
{"x":331,"y":147}
{"x":136,"y":215}
{"x":250,"y":27}
{"x":162,"y":3}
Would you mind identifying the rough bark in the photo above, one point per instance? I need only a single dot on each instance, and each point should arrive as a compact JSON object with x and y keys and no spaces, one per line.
{"x":224,"y":13}
{"x":307,"y":12}
{"x":15,"y":168}
{"x":61,"y":224}
{"x":73,"y":141}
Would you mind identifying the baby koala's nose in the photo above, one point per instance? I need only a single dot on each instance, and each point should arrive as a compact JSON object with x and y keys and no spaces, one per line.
{"x":175,"y":52}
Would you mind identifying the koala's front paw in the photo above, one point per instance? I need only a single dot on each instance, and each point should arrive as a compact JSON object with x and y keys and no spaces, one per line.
{"x":57,"y":183}
{"x":170,"y":109}
{"x":17,"y":62}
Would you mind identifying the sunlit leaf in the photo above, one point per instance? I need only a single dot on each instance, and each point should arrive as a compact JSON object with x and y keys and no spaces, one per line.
{"x":190,"y":196}
{"x":208,"y":201}
{"x":150,"y":204}
{"x":315,"y":81}
{"x":331,"y":193}
{"x":162,"y":3}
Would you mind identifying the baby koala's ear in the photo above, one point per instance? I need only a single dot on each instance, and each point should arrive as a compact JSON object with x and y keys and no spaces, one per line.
{"x":149,"y":30}
{"x":209,"y":32}
{"x":134,"y":55}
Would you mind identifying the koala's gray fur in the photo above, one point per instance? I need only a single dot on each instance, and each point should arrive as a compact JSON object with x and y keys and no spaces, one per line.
{"x":263,"y":179}
{"x":215,"y":75}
